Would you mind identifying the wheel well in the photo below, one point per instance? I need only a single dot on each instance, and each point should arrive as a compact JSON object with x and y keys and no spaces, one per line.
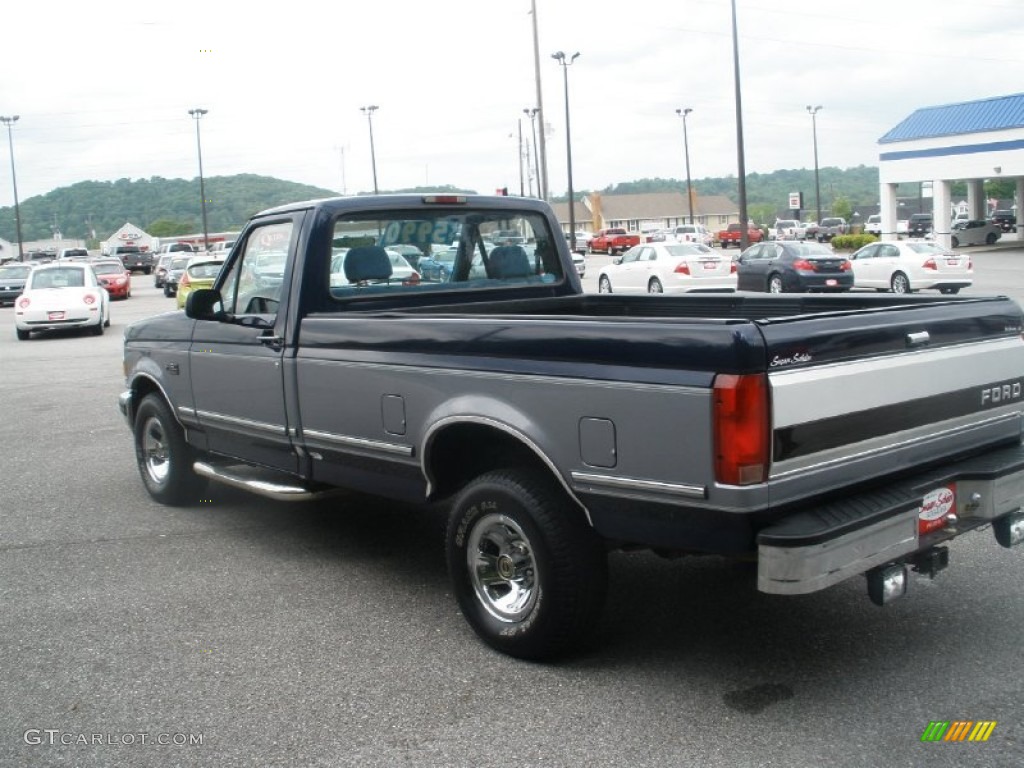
{"x":460,"y":452}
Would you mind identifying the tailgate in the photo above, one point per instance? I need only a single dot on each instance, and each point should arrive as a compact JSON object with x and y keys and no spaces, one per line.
{"x":864,"y":394}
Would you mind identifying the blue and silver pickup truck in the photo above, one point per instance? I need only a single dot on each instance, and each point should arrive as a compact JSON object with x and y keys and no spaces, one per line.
{"x":825,"y":437}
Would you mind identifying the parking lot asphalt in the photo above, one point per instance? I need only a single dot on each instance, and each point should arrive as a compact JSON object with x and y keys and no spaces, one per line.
{"x":248,"y":632}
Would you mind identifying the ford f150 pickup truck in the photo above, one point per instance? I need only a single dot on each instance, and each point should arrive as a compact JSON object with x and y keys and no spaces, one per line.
{"x":733,"y":234}
{"x":823,"y":437}
{"x":612,"y":241}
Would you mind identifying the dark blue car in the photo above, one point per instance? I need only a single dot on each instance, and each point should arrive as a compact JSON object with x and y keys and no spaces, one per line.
{"x":788,"y":266}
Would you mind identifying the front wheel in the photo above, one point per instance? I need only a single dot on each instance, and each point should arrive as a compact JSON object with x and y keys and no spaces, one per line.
{"x":899,"y":283}
{"x":163,"y":456}
{"x":955,"y":242}
{"x":529,"y":575}
{"x":991,"y":238}
{"x":604,"y":285}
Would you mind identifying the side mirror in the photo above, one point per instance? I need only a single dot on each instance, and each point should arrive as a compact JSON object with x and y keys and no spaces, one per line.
{"x":200,"y":303}
{"x":617,"y":260}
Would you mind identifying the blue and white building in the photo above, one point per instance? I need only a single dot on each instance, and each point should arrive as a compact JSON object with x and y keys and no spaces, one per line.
{"x":937,"y":146}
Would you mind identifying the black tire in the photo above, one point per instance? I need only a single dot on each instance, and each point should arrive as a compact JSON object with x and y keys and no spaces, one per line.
{"x":991,"y":238}
{"x":604,"y":285}
{"x":655,"y":286}
{"x":162,"y":455}
{"x":951,"y":290}
{"x":22,"y":335}
{"x":899,"y":283}
{"x":955,"y":243}
{"x":167,"y":291}
{"x":774,"y":284}
{"x":97,"y":330}
{"x":528,"y":573}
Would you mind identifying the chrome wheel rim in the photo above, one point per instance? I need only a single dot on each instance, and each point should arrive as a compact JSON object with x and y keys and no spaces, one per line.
{"x":775,"y":285}
{"x":899,"y":284}
{"x":155,"y":455}
{"x":502,"y":568}
{"x":654,"y":287}
{"x":604,"y":286}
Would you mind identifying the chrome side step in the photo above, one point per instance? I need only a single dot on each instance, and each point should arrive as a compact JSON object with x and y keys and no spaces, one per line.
{"x":263,"y":482}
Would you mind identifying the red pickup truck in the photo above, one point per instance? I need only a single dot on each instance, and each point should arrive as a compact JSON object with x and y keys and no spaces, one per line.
{"x":612,"y":241}
{"x":732,"y":234}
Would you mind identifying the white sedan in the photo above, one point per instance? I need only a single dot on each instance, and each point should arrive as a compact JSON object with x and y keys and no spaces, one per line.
{"x":668,"y":268}
{"x":62,"y":295}
{"x":910,"y":265}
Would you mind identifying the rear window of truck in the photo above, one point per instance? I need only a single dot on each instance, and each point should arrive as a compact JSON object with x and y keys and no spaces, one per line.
{"x":447,"y":249}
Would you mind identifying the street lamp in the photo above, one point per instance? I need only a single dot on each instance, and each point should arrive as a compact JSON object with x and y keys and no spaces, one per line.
{"x":368,"y":111}
{"x":197,"y":115}
{"x":532,"y":113}
{"x":561,"y":59}
{"x":9,"y":121}
{"x":686,"y":149}
{"x":814,"y":130}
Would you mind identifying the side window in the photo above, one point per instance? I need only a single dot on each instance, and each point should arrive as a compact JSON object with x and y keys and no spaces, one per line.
{"x":253,"y":285}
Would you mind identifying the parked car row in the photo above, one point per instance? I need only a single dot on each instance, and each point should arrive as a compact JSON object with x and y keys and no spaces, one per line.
{"x":787,"y":266}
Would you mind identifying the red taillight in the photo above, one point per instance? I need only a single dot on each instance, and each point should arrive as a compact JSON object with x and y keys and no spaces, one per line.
{"x":930,"y":264}
{"x":183,"y":280}
{"x":846,"y":266}
{"x":732,"y":268}
{"x":413,"y":279}
{"x":682,"y":268}
{"x":803,"y":265}
{"x":23,"y":302}
{"x":741,"y":427}
{"x":89,"y":299}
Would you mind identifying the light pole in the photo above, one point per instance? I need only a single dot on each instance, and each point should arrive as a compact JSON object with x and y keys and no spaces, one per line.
{"x":368,"y":111}
{"x":542,"y":168}
{"x":561,"y":59}
{"x":741,"y":162}
{"x":814,"y":131}
{"x":532,"y":113}
{"x":9,"y":121}
{"x":686,"y":149}
{"x":197,"y":115}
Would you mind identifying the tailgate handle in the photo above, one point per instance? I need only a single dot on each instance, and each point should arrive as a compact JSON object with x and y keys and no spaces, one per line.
{"x":918,"y":339}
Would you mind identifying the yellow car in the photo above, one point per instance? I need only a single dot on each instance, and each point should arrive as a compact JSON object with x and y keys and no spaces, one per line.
{"x":201,"y":272}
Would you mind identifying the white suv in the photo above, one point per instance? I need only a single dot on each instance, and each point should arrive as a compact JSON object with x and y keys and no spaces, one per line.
{"x":691,"y":233}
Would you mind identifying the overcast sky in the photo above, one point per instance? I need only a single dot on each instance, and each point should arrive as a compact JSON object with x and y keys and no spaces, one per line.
{"x":103,"y":88}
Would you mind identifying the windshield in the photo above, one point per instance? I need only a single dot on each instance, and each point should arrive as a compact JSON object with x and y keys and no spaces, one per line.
{"x":108,"y":268}
{"x":65,"y":277}
{"x":458,"y":249}
{"x":14,"y":272}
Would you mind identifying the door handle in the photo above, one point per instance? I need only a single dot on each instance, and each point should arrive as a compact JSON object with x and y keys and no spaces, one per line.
{"x":268,"y":339}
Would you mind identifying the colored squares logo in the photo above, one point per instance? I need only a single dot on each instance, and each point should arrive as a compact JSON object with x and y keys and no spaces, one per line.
{"x":958,"y":730}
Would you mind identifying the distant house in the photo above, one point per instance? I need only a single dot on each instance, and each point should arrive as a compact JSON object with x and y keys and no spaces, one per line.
{"x":646,"y":211}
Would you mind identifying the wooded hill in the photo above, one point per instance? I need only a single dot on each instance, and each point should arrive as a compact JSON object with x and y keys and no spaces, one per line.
{"x":165,"y":207}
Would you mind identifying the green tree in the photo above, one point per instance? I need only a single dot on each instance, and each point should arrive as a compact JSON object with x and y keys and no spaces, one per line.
{"x":170,"y":227}
{"x":842,"y":207}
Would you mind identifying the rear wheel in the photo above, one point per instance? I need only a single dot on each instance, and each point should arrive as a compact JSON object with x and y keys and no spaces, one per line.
{"x":97,"y":330}
{"x":655,"y":286}
{"x":163,"y":456}
{"x":22,"y":335}
{"x":991,"y":238}
{"x":899,"y":283}
{"x":529,"y":574}
{"x":775,"y":284}
{"x":604,"y":285}
{"x":955,"y":243}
